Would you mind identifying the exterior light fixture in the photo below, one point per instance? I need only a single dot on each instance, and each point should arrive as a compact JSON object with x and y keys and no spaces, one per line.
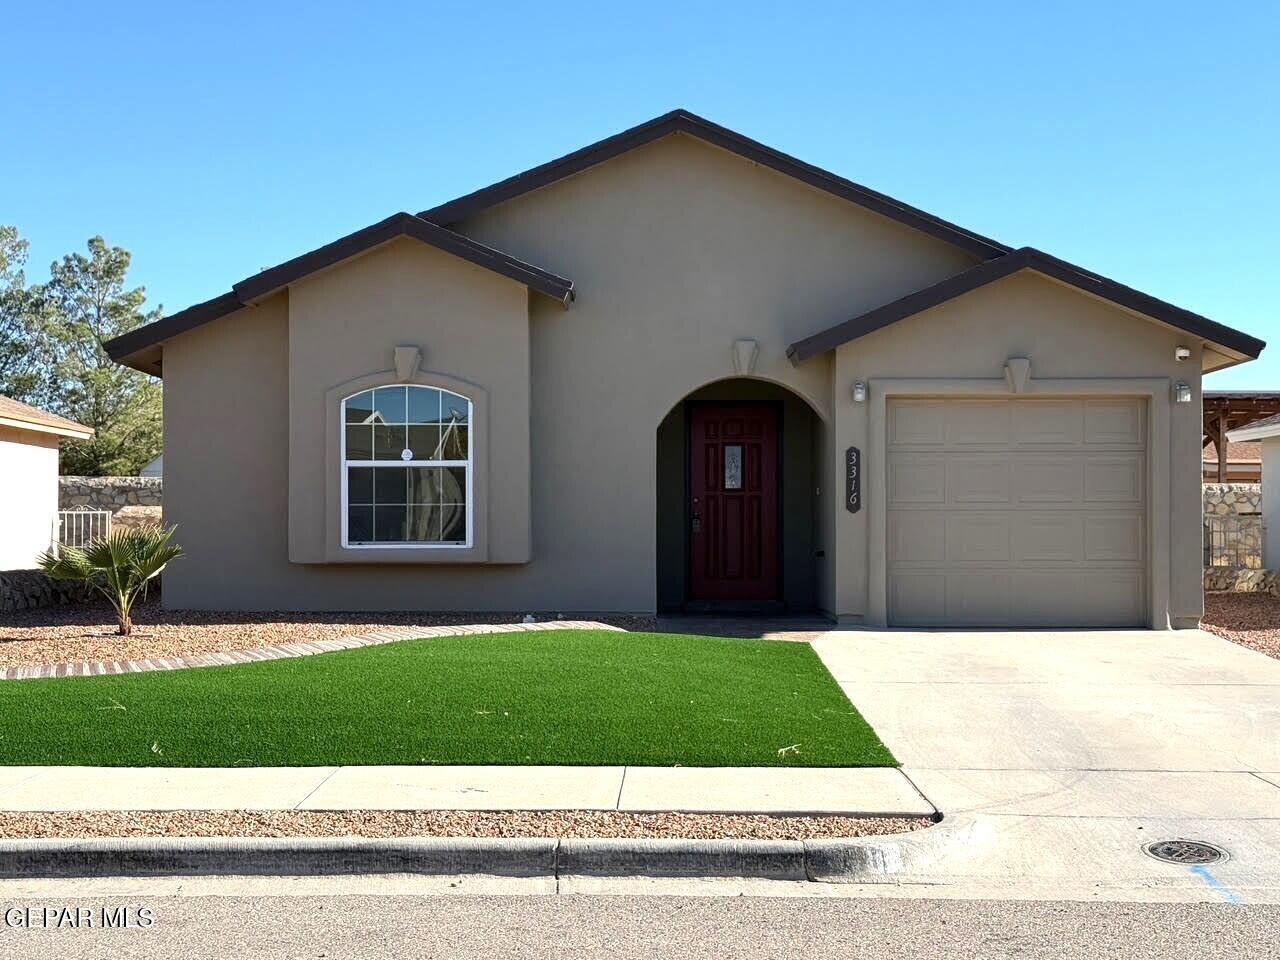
{"x":859,"y":391}
{"x":1182,"y":392}
{"x":1181,"y":353}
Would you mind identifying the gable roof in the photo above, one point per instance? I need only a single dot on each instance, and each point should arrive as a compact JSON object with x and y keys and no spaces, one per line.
{"x":682,"y":121}
{"x":128,"y":348}
{"x":1025,"y":258}
{"x":21,"y":416}
{"x":1256,"y":431}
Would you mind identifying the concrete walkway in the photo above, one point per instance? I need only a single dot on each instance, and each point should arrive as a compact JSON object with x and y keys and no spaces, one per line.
{"x":1066,"y":752}
{"x":869,"y":791}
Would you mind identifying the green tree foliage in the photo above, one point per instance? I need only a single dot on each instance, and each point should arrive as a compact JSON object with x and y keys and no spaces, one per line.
{"x":85,"y":303}
{"x":19,"y":374}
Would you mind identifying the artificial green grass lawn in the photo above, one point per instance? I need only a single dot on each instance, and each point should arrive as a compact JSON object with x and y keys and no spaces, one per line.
{"x":553,"y":697}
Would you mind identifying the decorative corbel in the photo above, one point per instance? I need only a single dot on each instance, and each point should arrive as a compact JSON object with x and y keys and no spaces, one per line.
{"x":407,"y":360}
{"x":1017,"y":370}
{"x":745,"y":353}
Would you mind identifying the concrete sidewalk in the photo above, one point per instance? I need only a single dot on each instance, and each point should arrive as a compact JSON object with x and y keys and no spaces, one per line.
{"x":795,"y":790}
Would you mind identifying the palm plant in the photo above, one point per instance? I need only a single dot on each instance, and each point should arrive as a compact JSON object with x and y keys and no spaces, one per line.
{"x":119,"y":566}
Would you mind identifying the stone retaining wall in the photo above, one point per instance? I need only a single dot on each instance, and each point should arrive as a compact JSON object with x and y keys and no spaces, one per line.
{"x":132,"y":501}
{"x":29,"y":589}
{"x":1229,"y":580}
{"x":1225,"y":499}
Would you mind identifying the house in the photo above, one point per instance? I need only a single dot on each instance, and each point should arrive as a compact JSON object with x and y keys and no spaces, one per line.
{"x":154,"y":468}
{"x":1226,"y":411}
{"x":678,"y":369}
{"x":1244,"y":462}
{"x":1265,"y":434}
{"x":29,"y":440}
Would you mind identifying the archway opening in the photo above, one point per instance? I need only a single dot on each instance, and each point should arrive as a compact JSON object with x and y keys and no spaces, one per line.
{"x":739,"y":501}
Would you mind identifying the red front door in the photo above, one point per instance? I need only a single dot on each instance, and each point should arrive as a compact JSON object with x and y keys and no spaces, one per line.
{"x":733,"y":513}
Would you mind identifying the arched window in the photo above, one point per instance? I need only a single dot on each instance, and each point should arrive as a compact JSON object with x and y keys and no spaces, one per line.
{"x":406,"y":468}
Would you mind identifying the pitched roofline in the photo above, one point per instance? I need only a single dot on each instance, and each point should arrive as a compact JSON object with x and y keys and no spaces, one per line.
{"x":1025,"y":258}
{"x":682,"y":121}
{"x":17,"y":415}
{"x":127,"y":346}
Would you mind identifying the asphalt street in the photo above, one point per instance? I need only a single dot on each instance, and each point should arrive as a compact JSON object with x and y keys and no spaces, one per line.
{"x":495,"y":928}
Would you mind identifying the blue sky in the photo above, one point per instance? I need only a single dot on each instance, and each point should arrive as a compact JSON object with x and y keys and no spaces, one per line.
{"x":1140,"y":140}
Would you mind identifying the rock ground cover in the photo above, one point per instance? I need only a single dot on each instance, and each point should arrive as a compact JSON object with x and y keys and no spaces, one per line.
{"x":1249,"y":619}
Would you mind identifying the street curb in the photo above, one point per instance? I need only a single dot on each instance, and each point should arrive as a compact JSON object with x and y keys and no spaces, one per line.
{"x":855,"y":860}
{"x":275,"y":856}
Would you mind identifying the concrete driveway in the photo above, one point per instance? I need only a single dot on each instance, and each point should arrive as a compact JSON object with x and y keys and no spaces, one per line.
{"x":1063,"y":741}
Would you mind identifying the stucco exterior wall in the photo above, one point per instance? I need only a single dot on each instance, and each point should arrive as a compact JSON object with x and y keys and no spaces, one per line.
{"x":28,"y":495}
{"x":676,"y":250}
{"x":1271,"y":503}
{"x":1067,"y":335}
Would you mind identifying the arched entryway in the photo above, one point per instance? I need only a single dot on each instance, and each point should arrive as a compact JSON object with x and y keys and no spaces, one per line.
{"x":738,"y":499}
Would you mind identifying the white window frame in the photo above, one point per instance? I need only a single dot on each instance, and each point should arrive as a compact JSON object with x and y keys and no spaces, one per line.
{"x":468,"y":464}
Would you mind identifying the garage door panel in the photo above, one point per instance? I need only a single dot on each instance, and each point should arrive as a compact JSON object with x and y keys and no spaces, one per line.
{"x":977,"y":423}
{"x":917,"y":536}
{"x":978,"y":538}
{"x":1048,"y":538}
{"x":915,"y":479}
{"x":1020,"y":512}
{"x":1113,"y":538}
{"x":1114,"y":423}
{"x":978,"y":480}
{"x":977,"y":599}
{"x":1046,"y":480}
{"x":1040,"y":423}
{"x":1116,"y":479}
{"x":917,"y":423}
{"x":918,"y":599}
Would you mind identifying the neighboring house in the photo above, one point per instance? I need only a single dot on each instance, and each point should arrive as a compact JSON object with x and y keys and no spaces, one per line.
{"x":29,"y":440}
{"x":1244,"y":462}
{"x":154,"y":469}
{"x":1265,"y":434}
{"x":679,"y":369}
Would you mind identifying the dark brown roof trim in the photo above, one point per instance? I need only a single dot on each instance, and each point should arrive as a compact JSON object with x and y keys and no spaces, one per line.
{"x":1025,"y":258}
{"x":275,"y":278}
{"x":682,"y":121}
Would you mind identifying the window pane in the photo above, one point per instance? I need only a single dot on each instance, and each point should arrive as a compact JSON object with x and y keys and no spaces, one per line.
{"x":453,"y":408}
{"x":733,"y":466}
{"x":424,"y":522}
{"x":423,"y":441}
{"x":453,"y":445}
{"x":359,"y":524}
{"x":388,"y":404}
{"x":359,"y":485}
{"x":359,"y":442}
{"x":453,"y":523}
{"x":453,"y":485}
{"x":360,"y":407}
{"x":389,"y":523}
{"x":388,"y":442}
{"x":424,"y":405}
{"x":424,"y":485}
{"x":389,"y":485}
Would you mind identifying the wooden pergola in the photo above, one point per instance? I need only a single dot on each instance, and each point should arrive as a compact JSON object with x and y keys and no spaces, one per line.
{"x":1227,"y":410}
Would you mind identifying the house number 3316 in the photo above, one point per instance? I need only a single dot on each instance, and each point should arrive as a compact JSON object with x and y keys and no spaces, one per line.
{"x":852,"y":480}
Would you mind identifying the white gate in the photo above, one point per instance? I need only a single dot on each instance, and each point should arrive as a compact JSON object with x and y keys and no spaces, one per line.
{"x":76,"y":528}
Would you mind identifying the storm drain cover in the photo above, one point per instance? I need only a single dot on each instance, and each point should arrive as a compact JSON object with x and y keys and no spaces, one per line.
{"x":1185,"y":851}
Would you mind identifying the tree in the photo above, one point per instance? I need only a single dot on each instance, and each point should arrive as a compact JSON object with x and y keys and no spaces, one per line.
{"x":19,"y":372}
{"x":86,"y":303}
{"x":119,"y":566}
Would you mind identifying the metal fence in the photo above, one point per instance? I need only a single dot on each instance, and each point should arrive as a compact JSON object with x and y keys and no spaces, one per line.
{"x":1233,"y":541}
{"x":77,"y":527}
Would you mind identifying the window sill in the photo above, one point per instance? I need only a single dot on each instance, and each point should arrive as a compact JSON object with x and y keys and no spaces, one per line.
{"x":426,"y":556}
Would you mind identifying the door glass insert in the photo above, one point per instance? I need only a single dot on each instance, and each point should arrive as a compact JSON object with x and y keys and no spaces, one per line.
{"x":733,"y":466}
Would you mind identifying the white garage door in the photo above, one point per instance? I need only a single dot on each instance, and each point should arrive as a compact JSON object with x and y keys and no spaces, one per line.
{"x":1021,"y":512}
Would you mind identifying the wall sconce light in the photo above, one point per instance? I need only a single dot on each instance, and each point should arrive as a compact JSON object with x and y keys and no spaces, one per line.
{"x":1181,"y":392}
{"x":1181,"y":353}
{"x":859,"y":391}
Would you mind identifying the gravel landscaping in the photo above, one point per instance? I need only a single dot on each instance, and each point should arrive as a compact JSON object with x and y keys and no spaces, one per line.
{"x":1249,"y":619}
{"x":442,"y":823}
{"x":88,"y":631}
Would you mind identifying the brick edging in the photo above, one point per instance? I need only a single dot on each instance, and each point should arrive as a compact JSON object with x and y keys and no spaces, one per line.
{"x":283,"y":651}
